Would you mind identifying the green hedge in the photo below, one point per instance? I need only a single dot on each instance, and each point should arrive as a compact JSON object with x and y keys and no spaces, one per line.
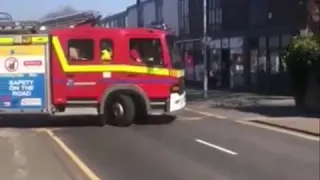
{"x":302,"y":58}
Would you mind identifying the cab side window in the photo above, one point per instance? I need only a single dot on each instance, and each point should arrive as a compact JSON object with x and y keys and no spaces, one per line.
{"x":147,"y":51}
{"x":106,"y":50}
{"x":81,"y":49}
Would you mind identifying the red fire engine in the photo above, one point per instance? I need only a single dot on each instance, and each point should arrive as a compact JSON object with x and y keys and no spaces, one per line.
{"x":123,"y":74}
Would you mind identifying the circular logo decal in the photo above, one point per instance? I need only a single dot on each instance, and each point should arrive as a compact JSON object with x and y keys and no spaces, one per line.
{"x":11,"y":64}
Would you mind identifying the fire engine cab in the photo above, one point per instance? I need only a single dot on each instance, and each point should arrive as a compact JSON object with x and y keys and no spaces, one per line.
{"x":123,"y":74}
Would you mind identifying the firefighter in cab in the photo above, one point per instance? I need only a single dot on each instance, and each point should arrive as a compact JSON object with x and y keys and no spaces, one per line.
{"x":106,"y":51}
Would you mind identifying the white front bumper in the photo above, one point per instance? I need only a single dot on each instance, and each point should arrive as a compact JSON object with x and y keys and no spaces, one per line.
{"x":177,"y":101}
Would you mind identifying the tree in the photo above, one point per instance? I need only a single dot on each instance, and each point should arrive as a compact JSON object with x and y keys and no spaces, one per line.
{"x":302,"y":58}
{"x":314,"y":16}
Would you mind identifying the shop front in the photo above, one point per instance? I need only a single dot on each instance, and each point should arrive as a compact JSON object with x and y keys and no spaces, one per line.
{"x":226,"y":62}
{"x":191,"y":50}
{"x":267,"y":69}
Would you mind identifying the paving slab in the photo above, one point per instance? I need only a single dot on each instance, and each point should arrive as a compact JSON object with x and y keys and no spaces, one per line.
{"x":29,"y":155}
{"x":277,"y":111}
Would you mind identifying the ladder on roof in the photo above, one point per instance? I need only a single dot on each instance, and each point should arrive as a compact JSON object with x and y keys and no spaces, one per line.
{"x":90,"y":18}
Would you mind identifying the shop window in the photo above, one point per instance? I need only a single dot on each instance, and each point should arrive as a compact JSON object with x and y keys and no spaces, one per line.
{"x":237,"y":60}
{"x":254,"y":60}
{"x":254,"y":65}
{"x":262,"y":60}
{"x":262,"y":42}
{"x":274,"y":42}
{"x":80,"y":49}
{"x":274,"y":59}
{"x":285,"y":40}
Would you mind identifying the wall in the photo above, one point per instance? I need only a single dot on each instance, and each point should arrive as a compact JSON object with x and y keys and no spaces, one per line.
{"x":132,"y":17}
{"x":170,"y":13}
{"x":235,"y":14}
{"x":115,"y":20}
{"x":196,"y":18}
{"x":148,"y":13}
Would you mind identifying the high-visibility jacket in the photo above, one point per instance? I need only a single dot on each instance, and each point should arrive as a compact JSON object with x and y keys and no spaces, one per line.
{"x":106,"y":55}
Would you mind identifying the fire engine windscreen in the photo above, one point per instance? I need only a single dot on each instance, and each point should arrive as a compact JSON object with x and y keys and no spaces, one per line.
{"x":175,"y":53}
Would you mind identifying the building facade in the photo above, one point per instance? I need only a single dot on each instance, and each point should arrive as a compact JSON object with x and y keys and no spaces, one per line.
{"x":190,"y":27}
{"x":153,"y":11}
{"x":115,"y":20}
{"x":248,"y":37}
{"x":248,"y":41}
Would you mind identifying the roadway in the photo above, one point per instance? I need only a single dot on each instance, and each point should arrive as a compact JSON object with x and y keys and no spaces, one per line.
{"x":191,"y":147}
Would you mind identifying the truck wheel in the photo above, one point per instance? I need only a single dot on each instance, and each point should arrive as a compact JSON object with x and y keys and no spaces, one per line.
{"x":120,"y":111}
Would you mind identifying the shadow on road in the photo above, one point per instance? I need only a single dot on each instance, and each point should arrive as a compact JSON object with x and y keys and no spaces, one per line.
{"x":232,"y":97}
{"x":158,"y":120}
{"x":278,"y":111}
{"x":32,"y":121}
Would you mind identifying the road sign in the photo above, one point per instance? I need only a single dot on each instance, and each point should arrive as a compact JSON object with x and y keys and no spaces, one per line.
{"x":22,"y":78}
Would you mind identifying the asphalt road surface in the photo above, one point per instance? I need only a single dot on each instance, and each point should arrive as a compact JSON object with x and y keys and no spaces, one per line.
{"x":193,"y":147}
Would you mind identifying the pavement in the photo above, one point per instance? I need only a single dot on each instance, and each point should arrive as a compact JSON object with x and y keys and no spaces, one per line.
{"x":27,"y":154}
{"x":194,"y":146}
{"x":270,"y":110}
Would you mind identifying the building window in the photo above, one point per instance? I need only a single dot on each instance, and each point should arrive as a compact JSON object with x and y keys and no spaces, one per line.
{"x":214,"y":15}
{"x":80,"y":49}
{"x":159,"y":10}
{"x":183,"y":12}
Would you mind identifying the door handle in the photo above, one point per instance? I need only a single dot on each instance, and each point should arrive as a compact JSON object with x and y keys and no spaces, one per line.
{"x":132,"y":75}
{"x":70,"y":75}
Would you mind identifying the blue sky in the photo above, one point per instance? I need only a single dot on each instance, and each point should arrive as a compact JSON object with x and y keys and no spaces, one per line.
{"x":35,"y":9}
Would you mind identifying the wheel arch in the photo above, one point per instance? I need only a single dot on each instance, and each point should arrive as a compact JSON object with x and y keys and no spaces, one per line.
{"x":126,"y":89}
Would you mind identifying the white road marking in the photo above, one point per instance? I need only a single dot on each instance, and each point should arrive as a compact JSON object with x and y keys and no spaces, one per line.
{"x":216,"y":147}
{"x":184,"y":118}
{"x":280,"y":130}
{"x":206,"y":113}
{"x":246,"y":121}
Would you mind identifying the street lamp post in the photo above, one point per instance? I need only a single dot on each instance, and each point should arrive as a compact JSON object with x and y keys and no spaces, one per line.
{"x":205,"y":41}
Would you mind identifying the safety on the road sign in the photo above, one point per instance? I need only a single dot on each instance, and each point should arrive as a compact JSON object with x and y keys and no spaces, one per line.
{"x":11,"y":64}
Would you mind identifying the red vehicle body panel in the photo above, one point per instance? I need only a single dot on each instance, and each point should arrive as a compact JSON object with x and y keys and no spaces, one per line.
{"x":156,"y":87}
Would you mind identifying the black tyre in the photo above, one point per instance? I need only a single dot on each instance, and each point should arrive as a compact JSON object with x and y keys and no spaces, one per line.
{"x":120,"y":111}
